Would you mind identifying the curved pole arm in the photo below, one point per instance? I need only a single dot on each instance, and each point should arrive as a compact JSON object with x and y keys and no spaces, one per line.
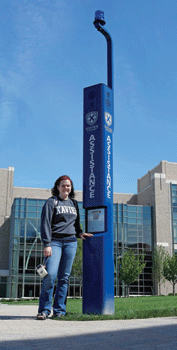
{"x":109,"y":53}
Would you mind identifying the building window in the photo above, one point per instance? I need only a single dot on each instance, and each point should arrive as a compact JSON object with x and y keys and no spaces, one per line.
{"x":3,"y":286}
{"x":133,"y":231}
{"x":174,"y":217}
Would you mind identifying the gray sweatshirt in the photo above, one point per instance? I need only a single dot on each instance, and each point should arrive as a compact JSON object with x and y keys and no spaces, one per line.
{"x":59,"y":218}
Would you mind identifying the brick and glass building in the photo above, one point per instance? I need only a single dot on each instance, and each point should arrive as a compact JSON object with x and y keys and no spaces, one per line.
{"x":142,"y":221}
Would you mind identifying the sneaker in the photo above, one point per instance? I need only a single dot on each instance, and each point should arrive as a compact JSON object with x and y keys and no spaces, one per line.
{"x":42,"y":316}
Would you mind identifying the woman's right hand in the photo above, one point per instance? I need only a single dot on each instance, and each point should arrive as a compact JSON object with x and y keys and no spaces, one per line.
{"x":47,"y":251}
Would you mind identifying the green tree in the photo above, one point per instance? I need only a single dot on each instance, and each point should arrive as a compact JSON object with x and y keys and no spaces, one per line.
{"x":157,"y":266}
{"x":131,"y":266}
{"x":170,"y":269}
{"x":77,"y":264}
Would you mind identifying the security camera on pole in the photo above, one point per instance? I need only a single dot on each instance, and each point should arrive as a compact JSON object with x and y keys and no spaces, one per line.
{"x":98,"y":257}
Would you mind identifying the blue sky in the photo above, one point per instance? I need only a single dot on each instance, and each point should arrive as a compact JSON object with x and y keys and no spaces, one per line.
{"x":50,"y":51}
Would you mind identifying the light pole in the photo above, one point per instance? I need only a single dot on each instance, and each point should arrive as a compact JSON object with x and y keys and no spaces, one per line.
{"x":99,"y":22}
{"x":98,"y":260}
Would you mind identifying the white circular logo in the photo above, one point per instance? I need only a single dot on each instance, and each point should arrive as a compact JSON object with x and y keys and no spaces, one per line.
{"x":91,"y":118}
{"x":108,"y":119}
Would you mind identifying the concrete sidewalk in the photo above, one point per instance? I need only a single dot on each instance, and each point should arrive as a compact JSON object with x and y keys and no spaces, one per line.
{"x":20,"y":330}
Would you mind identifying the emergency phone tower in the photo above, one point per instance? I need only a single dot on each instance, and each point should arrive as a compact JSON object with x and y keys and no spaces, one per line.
{"x":98,"y":262}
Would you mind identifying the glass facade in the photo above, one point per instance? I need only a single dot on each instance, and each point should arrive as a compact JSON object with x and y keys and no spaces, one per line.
{"x":174,"y":216}
{"x":3,"y":286}
{"x":132,"y":229}
{"x":26,"y":247}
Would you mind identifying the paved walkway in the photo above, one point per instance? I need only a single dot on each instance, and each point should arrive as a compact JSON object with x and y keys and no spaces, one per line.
{"x":20,"y":330}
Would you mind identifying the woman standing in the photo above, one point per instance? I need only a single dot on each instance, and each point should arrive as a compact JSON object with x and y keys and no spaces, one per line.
{"x":60,"y":227}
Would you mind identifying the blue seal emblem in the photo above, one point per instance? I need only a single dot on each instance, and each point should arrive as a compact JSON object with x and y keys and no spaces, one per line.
{"x":108,"y":119}
{"x":91,"y":118}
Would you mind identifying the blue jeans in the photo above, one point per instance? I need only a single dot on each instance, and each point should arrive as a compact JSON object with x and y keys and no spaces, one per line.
{"x":58,"y":265}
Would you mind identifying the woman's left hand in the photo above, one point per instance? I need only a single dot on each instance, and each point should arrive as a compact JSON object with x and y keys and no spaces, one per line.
{"x":85,"y":235}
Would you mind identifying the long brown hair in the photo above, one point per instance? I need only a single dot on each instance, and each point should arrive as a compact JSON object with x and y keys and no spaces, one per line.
{"x":55,"y":191}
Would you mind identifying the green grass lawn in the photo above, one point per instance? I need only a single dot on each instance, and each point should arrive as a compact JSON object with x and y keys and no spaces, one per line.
{"x":125,"y":308}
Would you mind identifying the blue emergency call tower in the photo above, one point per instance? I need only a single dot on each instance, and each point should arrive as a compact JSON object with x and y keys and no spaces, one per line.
{"x":98,"y":260}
